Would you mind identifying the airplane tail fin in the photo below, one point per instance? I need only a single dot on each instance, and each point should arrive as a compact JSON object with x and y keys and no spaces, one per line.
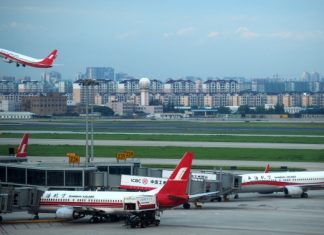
{"x":50,"y":58}
{"x":174,"y":191}
{"x":22,"y":149}
{"x":267,"y":169}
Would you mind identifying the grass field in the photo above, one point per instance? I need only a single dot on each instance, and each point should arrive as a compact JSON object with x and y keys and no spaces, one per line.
{"x":176,"y":152}
{"x":168,"y":137}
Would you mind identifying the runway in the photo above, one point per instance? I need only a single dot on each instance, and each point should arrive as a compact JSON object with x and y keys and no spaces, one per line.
{"x":166,"y":143}
{"x":252,"y":214}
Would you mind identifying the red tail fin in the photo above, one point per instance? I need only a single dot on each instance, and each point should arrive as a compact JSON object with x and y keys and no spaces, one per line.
{"x":22,"y":149}
{"x":267,"y":169}
{"x":174,"y":192}
{"x":50,"y":58}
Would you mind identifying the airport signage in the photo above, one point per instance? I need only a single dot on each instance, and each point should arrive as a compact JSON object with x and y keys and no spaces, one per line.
{"x":124,"y":155}
{"x":73,"y":158}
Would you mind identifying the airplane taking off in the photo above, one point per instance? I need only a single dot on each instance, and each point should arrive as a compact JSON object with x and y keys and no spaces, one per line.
{"x":19,"y":59}
{"x":21,"y":154}
{"x":291,"y":183}
{"x":111,"y":204}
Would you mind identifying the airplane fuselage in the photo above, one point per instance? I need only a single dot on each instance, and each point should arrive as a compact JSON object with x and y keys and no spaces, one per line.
{"x":276,"y":182}
{"x":109,"y":202}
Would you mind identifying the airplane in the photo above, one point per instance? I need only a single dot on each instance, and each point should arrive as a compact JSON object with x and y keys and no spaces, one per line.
{"x":21,"y":154}
{"x":291,"y":183}
{"x":112,"y":204}
{"x":19,"y":59}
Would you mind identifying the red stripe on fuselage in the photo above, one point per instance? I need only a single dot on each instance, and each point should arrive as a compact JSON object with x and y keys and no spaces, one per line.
{"x":85,"y":204}
{"x":136,"y":187}
{"x":279,"y":183}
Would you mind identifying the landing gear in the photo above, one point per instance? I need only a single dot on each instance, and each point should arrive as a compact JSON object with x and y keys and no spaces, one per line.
{"x":0,"y":219}
{"x":186,"y":205}
{"x":304,"y":195}
{"x":143,"y":219}
{"x":236,"y":196}
{"x":36,"y":216}
{"x":78,"y":215}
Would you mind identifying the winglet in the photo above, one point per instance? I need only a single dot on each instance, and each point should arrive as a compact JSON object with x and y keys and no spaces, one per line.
{"x":22,"y":149}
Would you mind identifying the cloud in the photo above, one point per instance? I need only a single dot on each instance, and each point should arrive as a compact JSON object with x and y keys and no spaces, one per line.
{"x":213,"y":35}
{"x":245,"y":33}
{"x":183,"y":32}
{"x":291,"y":35}
{"x":15,"y":25}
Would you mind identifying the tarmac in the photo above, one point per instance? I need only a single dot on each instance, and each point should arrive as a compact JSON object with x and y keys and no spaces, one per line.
{"x":166,"y":143}
{"x":250,"y":214}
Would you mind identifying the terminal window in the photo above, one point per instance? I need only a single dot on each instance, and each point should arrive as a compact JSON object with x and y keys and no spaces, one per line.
{"x":55,"y":178}
{"x":119,"y":170}
{"x":16,"y":175}
{"x":36,"y":177}
{"x":2,"y":174}
{"x":73,"y":178}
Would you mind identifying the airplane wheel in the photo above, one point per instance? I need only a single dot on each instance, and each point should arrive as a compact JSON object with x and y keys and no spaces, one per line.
{"x":186,"y":205}
{"x":0,"y":219}
{"x":94,"y":220}
{"x":157,"y":222}
{"x":304,"y":195}
{"x":143,"y":224}
{"x":36,"y":217}
{"x":236,"y":196}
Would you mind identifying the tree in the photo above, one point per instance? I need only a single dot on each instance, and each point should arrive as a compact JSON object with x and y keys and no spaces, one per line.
{"x":260,"y":110}
{"x":279,"y":109}
{"x":244,"y":109}
{"x":104,"y":110}
{"x":224,"y":110}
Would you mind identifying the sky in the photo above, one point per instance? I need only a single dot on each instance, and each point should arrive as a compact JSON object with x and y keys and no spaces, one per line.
{"x":167,"y":39}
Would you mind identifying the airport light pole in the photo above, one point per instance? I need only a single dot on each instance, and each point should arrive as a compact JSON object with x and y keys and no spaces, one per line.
{"x":86,"y":83}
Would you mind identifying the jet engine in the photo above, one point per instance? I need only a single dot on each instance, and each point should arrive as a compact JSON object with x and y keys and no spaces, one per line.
{"x":293,"y":191}
{"x":7,"y":60}
{"x":68,"y":213}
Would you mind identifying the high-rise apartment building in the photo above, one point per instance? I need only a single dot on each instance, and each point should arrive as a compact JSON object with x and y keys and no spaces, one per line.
{"x":100,"y":73}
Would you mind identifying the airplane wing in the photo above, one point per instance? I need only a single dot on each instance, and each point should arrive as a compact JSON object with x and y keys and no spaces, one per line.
{"x":194,"y":197}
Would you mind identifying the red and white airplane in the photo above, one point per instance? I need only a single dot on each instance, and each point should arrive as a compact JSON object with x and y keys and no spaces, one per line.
{"x":21,"y":154}
{"x":104,"y":204}
{"x":19,"y":59}
{"x":291,"y":183}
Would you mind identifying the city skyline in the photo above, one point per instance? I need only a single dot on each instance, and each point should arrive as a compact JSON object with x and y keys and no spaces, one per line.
{"x":173,"y":39}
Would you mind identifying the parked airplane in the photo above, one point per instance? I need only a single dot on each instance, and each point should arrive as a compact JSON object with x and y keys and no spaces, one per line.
{"x":19,"y":59}
{"x":21,"y":154}
{"x":291,"y":183}
{"x":77,"y":204}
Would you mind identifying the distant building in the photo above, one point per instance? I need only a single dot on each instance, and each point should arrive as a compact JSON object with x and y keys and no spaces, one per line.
{"x":53,"y":103}
{"x":100,"y":73}
{"x":33,"y":86}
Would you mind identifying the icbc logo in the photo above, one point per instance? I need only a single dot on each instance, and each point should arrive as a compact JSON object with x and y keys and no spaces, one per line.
{"x":145,"y":181}
{"x":136,"y":180}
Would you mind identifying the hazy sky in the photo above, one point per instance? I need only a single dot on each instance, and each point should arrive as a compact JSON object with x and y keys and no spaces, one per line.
{"x":169,"y":38}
